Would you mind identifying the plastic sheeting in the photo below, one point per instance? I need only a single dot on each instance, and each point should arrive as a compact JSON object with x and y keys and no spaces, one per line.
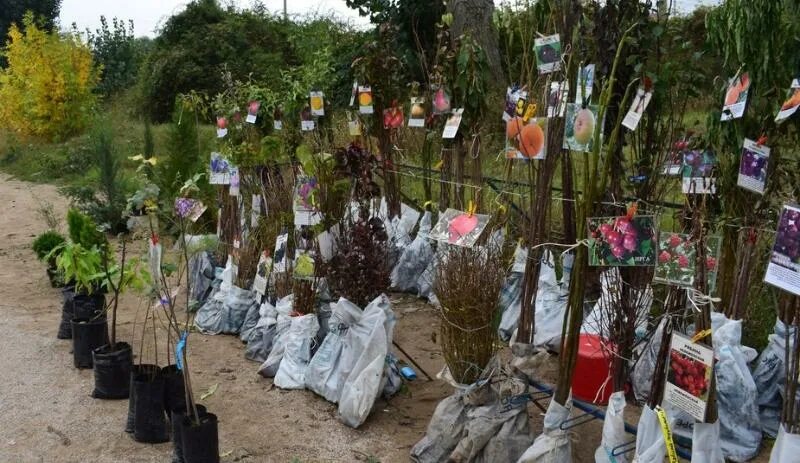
{"x":263,"y":335}
{"x":609,"y":301}
{"x":444,"y":430}
{"x":650,"y":444}
{"x":297,"y":352}
{"x":225,"y":312}
{"x":613,"y":431}
{"x":643,"y":370}
{"x":415,"y":258}
{"x":786,"y":448}
{"x":251,"y":320}
{"x":706,"y":443}
{"x":367,"y":347}
{"x":494,"y":433}
{"x":553,"y":445}
{"x":769,"y":376}
{"x":324,"y":371}
{"x":270,"y":367}
{"x":201,"y":275}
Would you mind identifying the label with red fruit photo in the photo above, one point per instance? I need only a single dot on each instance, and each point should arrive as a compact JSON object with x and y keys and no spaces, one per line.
{"x":688,"y":376}
{"x":783,"y":269}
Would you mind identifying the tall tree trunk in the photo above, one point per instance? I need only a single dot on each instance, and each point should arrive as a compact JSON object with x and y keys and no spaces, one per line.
{"x":475,"y":17}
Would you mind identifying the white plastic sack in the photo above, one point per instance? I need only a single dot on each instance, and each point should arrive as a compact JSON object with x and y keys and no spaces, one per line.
{"x":323,"y":375}
{"x":786,"y":448}
{"x":297,"y":353}
{"x":511,"y":295}
{"x":368,"y":344}
{"x":740,"y":425}
{"x":494,"y":433}
{"x":706,"y":443}
{"x":769,"y":377}
{"x":553,"y":445}
{"x":650,"y":444}
{"x":201,"y":275}
{"x":270,"y":367}
{"x":251,"y":320}
{"x":610,"y":298}
{"x":643,"y":370}
{"x":444,"y":431}
{"x":551,"y":303}
{"x":613,"y":431}
{"x":414,"y":259}
{"x":260,"y":343}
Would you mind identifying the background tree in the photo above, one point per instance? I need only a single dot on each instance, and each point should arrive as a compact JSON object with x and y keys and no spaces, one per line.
{"x":12,"y":12}
{"x":116,"y":52}
{"x":476,"y":19}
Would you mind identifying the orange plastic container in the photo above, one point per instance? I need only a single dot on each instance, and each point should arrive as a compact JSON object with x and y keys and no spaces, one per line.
{"x":592,"y":370}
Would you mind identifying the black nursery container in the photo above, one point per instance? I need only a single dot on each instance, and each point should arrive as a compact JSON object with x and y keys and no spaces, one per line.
{"x":176,"y":422}
{"x":136,"y":371}
{"x":65,"y":328}
{"x":174,"y":394}
{"x":112,"y":371}
{"x":200,"y":442}
{"x":88,"y":305}
{"x":147,"y":396}
{"x":87,"y":335}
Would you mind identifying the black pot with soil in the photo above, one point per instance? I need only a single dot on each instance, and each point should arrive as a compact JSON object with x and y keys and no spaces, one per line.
{"x":87,"y":335}
{"x":89,"y":305}
{"x":174,"y":394}
{"x":176,"y":423}
{"x":112,"y":371}
{"x":147,"y":419}
{"x":200,"y":441}
{"x":65,"y":327}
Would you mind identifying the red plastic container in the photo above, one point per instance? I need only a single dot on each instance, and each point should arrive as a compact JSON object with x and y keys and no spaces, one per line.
{"x":593,"y":370}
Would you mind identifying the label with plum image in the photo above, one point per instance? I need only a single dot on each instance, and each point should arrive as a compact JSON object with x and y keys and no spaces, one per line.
{"x":753,"y":166}
{"x":688,"y":376}
{"x":783,"y":269}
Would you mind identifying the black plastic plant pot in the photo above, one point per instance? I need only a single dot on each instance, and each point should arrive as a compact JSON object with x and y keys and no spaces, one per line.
{"x":65,"y":328}
{"x":149,"y":420}
{"x":200,"y":441}
{"x":87,"y":335}
{"x":136,"y":371}
{"x":112,"y":371}
{"x":88,"y":305}
{"x":174,"y":394}
{"x":176,"y":421}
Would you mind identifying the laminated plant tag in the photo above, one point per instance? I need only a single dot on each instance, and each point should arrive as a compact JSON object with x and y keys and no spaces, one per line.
{"x":579,"y":127}
{"x":622,"y":241}
{"x":698,"y":172}
{"x":416,"y":113}
{"x":220,"y":170}
{"x":548,"y":53}
{"x":317,"y":100}
{"x":791,"y":104}
{"x":307,"y":123}
{"x":222,"y":127}
{"x":783,"y":269}
{"x":585,"y":84}
{"x":441,"y":100}
{"x":262,"y":273}
{"x":305,"y":202}
{"x":526,"y":140}
{"x":353,"y":94}
{"x":557,"y":99}
{"x":255,"y":210}
{"x":676,"y":260}
{"x":736,"y":97}
{"x":365,"y":99}
{"x":252,"y":111}
{"x":154,"y":259}
{"x":753,"y":166}
{"x":516,"y":98}
{"x":234,"y":189}
{"x":279,"y":259}
{"x":393,"y":118}
{"x":354,"y":127}
{"x":688,"y":376}
{"x":459,"y":228}
{"x":277,"y":119}
{"x":452,"y":124}
{"x":189,"y":208}
{"x":303,"y":266}
{"x":631,"y":120}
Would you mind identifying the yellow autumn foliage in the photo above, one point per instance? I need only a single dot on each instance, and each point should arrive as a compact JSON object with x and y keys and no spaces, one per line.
{"x":47,"y":88}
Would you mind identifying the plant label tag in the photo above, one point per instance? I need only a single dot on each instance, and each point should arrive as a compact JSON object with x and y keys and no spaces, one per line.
{"x":753,"y":166}
{"x":783,"y":270}
{"x":234,"y":188}
{"x":736,"y":97}
{"x":548,"y":53}
{"x":317,"y":104}
{"x":416,"y":116}
{"x":365,"y":100}
{"x":222,"y":127}
{"x":452,"y":124}
{"x":277,"y":124}
{"x":585,"y":83}
{"x":307,"y":126}
{"x":688,"y":376}
{"x":252,"y":112}
{"x":631,"y":120}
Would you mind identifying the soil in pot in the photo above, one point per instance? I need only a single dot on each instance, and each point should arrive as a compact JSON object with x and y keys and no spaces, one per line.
{"x":112,"y":371}
{"x":200,"y":441}
{"x":176,"y":422}
{"x":87,"y":335}
{"x":174,"y":394}
{"x":149,"y":420}
{"x":65,"y":328}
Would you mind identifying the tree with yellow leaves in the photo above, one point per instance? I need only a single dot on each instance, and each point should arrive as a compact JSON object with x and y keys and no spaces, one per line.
{"x":47,"y":90}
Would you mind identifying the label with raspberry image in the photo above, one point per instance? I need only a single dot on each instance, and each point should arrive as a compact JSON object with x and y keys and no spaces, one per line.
{"x":688,"y":376}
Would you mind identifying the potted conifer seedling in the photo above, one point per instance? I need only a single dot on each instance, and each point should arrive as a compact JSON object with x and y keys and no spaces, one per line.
{"x":43,"y":246}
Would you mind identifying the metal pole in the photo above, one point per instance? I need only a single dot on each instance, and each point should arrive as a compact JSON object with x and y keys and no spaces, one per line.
{"x":285,"y":11}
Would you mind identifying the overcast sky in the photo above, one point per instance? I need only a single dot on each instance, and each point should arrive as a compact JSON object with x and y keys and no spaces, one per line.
{"x":148,"y":15}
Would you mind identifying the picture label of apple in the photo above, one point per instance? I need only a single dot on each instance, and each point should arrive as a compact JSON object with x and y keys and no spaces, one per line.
{"x":441,"y":101}
{"x":584,"y":126}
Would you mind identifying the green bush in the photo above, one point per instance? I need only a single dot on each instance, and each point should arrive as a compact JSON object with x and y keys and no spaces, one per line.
{"x":45,"y":243}
{"x":84,"y":231}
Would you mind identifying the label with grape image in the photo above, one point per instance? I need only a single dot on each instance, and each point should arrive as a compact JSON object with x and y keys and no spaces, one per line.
{"x":688,"y":376}
{"x":783,"y":269}
{"x":753,"y":166}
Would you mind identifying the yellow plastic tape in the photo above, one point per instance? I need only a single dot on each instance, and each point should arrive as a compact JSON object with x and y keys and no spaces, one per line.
{"x":471,"y":208}
{"x":701,"y":335}
{"x":662,"y":420}
{"x":530,"y":111}
{"x":438,"y":165}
